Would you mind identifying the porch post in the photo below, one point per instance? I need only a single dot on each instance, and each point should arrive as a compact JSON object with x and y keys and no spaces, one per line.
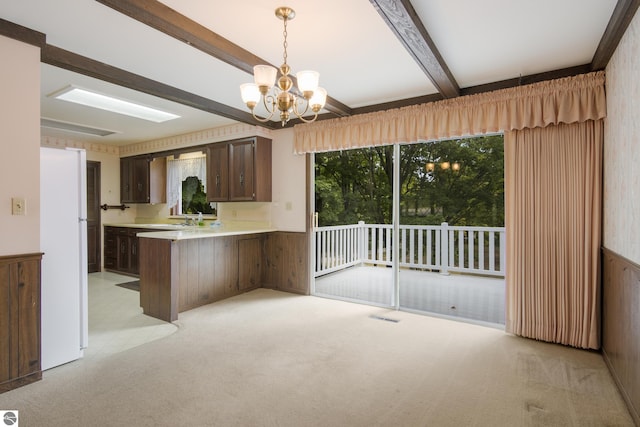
{"x":362,"y":242}
{"x":444,"y":248}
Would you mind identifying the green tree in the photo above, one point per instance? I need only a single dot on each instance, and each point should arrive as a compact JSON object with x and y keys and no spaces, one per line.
{"x":194,"y":199}
{"x":356,"y":185}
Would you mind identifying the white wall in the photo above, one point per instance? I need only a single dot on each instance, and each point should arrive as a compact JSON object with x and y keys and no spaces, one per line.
{"x":110,"y":188}
{"x":20,"y":146}
{"x":288,"y":210}
{"x":621,"y":229}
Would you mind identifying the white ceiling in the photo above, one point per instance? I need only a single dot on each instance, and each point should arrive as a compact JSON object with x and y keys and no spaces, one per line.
{"x":360,"y":60}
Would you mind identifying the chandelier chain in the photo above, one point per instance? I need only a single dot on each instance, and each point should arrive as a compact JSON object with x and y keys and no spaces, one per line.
{"x":279,"y":95}
{"x":284,"y":43}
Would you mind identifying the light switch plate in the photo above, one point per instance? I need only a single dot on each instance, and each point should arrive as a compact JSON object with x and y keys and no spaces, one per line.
{"x":18,"y":206}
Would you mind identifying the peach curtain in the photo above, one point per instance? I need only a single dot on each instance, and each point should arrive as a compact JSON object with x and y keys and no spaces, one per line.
{"x":567,"y":100}
{"x":553,"y":161}
{"x":553,"y":193}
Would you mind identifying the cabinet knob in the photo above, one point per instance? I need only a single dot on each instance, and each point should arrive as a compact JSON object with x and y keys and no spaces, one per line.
{"x":241,"y":179}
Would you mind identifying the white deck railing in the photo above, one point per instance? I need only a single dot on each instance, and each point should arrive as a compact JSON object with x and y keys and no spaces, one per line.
{"x":442,"y":248}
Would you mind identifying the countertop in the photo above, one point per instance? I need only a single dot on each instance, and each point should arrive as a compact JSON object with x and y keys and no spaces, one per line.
{"x":182,"y":232}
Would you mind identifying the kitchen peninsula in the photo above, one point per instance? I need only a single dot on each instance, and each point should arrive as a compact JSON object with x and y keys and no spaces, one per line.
{"x":184,"y":269}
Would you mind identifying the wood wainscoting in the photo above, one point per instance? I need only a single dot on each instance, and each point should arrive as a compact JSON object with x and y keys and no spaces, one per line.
{"x":287,"y":262}
{"x":20,"y":342}
{"x":621,"y":325}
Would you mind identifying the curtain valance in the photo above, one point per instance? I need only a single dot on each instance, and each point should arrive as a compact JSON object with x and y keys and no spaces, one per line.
{"x":180,"y":169}
{"x":567,"y":100}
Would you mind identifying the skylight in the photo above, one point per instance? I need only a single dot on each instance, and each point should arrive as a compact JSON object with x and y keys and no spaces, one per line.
{"x":115,"y":105}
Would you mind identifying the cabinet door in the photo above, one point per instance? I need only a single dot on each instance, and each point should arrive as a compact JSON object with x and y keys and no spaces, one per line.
{"x":134,"y":258}
{"x":249,"y":263}
{"x":241,"y":170}
{"x":126,"y":184}
{"x":110,"y":248}
{"x":218,"y":173}
{"x":123,"y":250}
{"x":141,"y":181}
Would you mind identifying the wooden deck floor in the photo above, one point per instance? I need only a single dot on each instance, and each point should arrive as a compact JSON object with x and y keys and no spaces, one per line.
{"x":474,"y":298}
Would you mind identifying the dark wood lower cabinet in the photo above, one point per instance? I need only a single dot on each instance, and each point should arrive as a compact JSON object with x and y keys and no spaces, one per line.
{"x":180,"y":275}
{"x":121,"y":251}
{"x":20,"y":362}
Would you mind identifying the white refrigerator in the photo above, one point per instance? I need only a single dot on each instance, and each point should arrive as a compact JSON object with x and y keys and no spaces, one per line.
{"x":63,"y":240}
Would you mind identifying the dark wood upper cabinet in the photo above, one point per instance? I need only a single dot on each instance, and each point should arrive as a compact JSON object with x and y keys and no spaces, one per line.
{"x":239,"y":171}
{"x":142,"y":180}
{"x":218,"y":172}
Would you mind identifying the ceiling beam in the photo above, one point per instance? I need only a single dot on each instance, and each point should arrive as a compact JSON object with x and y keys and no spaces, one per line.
{"x":164,"y":19}
{"x":403,"y":20}
{"x":620,"y":20}
{"x":61,"y":58}
{"x":23,"y":34}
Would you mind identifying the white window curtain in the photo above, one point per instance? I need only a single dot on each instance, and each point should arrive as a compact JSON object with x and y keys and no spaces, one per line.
{"x":180,"y":169}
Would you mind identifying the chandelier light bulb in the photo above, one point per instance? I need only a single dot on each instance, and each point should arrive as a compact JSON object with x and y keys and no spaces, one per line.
{"x":250,"y":94}
{"x":308,"y":82}
{"x":265,"y":76}
{"x":318,"y":99}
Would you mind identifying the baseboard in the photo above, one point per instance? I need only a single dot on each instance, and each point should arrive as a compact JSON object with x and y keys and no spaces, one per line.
{"x":19,"y":382}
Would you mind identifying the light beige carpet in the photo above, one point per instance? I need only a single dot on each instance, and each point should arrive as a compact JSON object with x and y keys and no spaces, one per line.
{"x":268,"y":358}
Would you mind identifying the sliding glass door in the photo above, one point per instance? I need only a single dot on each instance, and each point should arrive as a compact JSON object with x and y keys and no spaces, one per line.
{"x":451,"y":228}
{"x":418,"y":227}
{"x":353,"y":237}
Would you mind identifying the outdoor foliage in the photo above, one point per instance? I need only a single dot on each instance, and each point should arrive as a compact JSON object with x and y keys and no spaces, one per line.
{"x":356,"y":185}
{"x":194,"y":199}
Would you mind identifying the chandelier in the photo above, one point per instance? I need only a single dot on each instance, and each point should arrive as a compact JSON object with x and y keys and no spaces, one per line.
{"x":431,"y":166}
{"x":281,"y":97}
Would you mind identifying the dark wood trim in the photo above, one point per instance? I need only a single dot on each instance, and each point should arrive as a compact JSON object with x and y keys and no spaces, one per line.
{"x":94,"y":217}
{"x":166,"y":20}
{"x":403,"y":20}
{"x":58,"y":57}
{"x":627,"y":261}
{"x":23,"y":34}
{"x":617,"y":26}
{"x":621,"y":326}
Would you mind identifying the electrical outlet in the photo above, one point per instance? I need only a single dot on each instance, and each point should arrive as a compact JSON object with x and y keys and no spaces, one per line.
{"x":18,"y":206}
{"x":288,"y":206}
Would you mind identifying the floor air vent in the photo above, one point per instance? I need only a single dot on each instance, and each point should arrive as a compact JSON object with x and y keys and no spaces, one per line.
{"x":386,"y":319}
